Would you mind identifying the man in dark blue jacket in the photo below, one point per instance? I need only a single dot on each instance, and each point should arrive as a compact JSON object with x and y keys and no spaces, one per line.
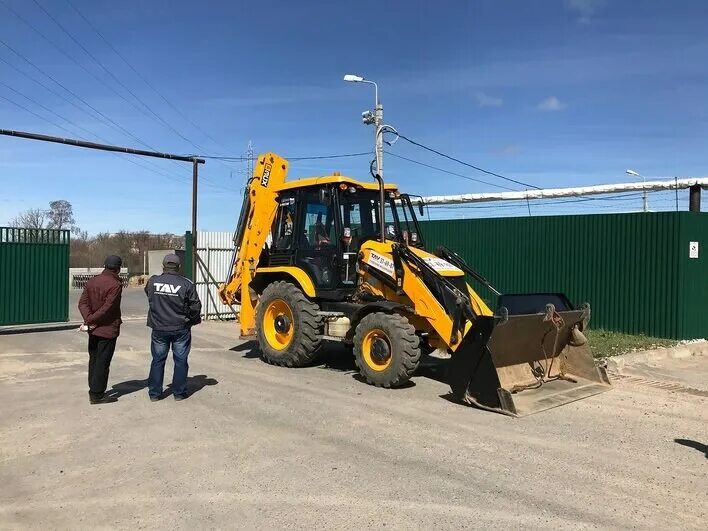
{"x":174,"y":308}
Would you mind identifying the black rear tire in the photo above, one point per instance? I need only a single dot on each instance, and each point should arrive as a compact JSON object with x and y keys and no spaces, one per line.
{"x":288,"y":326}
{"x":386,"y":349}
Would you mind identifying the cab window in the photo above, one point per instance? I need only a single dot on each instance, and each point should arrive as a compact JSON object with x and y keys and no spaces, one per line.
{"x":283,"y":228}
{"x":319,"y":223}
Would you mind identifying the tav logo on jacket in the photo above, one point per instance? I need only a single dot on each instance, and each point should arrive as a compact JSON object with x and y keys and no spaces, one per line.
{"x":166,"y":288}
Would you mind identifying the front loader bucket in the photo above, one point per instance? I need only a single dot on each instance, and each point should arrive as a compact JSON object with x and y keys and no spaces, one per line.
{"x":525,"y":363}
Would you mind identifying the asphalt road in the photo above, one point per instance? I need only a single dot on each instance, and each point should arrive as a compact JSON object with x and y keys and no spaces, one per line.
{"x":257,"y":446}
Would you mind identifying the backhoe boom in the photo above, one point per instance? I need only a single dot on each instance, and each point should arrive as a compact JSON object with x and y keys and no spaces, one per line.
{"x":257,"y":215}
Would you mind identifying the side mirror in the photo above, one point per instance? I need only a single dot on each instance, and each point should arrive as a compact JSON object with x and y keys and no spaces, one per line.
{"x":325,"y":197}
{"x":420,"y":208}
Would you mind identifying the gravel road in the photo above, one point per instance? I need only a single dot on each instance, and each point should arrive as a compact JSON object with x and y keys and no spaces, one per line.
{"x":257,"y":446}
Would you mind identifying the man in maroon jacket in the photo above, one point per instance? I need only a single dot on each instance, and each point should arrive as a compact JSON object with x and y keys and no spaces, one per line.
{"x":100,"y":307}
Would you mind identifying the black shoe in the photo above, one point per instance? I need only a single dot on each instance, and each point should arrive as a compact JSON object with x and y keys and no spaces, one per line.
{"x":95,"y":397}
{"x":181,"y":397}
{"x":103,"y":400}
{"x":155,"y":398}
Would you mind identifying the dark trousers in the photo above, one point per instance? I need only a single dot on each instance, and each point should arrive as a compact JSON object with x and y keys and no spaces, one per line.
{"x":100,"y":355}
{"x":181,"y":343}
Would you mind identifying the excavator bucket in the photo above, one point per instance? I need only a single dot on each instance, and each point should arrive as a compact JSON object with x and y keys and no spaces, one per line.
{"x":531,"y":356}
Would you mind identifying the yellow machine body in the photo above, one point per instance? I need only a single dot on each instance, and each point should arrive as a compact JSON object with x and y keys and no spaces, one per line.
{"x":299,"y":278}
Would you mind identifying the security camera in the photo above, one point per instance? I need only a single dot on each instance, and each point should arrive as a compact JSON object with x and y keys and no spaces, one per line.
{"x":368,"y":117}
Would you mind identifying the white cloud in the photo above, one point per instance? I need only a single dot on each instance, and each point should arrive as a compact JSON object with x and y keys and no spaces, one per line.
{"x":551,"y":104}
{"x":485,"y":100}
{"x":509,"y":150}
{"x":585,"y":9}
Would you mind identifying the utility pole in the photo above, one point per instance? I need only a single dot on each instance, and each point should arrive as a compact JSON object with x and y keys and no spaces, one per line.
{"x":249,"y":158}
{"x":378,"y":125}
{"x":249,"y":161}
{"x":645,"y":200}
{"x":375,"y":118}
{"x":195,"y":179}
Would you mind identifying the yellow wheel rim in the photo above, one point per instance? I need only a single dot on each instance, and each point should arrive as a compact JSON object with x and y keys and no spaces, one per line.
{"x":278,"y":324}
{"x":376,"y":350}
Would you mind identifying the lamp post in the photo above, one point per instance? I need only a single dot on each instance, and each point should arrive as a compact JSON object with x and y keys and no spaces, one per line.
{"x":375,"y":118}
{"x":635,"y":174}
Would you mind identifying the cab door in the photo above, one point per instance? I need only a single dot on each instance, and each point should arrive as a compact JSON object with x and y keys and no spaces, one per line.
{"x":317,"y":238}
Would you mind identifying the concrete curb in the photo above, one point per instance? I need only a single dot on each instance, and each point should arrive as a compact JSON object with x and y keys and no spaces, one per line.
{"x":41,"y":327}
{"x":684,"y":350}
{"x":51,"y":327}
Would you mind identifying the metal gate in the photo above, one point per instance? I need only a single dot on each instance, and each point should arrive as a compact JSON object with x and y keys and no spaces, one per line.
{"x":34,"y":280}
{"x":215,"y":250}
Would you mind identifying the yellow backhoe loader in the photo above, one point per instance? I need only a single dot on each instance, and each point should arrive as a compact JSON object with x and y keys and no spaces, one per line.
{"x":333,"y":258}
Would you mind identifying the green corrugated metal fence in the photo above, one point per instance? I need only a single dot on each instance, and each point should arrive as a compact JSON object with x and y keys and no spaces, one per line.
{"x":34,"y":276}
{"x":635,"y":270}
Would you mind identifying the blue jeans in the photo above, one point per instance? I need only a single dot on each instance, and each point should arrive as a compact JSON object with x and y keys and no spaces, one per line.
{"x":181,"y":343}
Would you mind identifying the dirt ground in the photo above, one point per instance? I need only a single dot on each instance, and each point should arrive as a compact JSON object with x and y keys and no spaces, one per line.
{"x":257,"y":446}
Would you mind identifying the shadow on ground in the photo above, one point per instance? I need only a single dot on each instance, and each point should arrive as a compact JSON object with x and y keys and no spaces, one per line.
{"x":693,"y":444}
{"x":249,"y":347}
{"x":194,"y":385}
{"x":336,"y":356}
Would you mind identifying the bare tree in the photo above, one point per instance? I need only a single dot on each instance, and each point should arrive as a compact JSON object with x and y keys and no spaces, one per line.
{"x":91,"y":251}
{"x":61,"y":215}
{"x":35,"y":218}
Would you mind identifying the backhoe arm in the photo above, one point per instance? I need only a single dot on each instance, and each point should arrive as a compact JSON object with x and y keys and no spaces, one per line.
{"x":258,"y":212}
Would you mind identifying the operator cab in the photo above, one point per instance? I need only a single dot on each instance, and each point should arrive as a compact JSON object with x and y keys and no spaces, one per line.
{"x":321,"y":229}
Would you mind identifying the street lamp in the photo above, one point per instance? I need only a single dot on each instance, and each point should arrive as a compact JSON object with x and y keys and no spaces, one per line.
{"x":375,"y":118}
{"x":635,"y":174}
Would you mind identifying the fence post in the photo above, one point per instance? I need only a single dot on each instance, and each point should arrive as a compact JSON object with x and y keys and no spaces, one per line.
{"x":208,"y":285}
{"x":694,"y":198}
{"x":187,"y":268}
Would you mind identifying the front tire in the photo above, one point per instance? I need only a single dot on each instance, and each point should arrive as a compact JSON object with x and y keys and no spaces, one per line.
{"x":289,"y":327}
{"x":386,"y":349}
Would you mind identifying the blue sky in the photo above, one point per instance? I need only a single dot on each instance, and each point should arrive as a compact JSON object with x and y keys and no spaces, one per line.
{"x":553,"y":93}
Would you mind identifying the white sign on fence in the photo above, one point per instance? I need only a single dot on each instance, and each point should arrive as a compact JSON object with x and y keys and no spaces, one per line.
{"x":693,"y":250}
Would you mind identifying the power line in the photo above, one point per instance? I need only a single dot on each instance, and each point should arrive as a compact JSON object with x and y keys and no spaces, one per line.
{"x":47,"y":88}
{"x":137,"y":73}
{"x":98,"y":114}
{"x":318,"y":157}
{"x":67,"y":100}
{"x":106,"y":118}
{"x":94,"y":109}
{"x":322,"y":157}
{"x":72,"y":59}
{"x":141,"y":164}
{"x":55,"y":124}
{"x":115,"y":78}
{"x":152,"y":114}
{"x":43,"y":118}
{"x":440,"y":153}
{"x":38,"y":104}
{"x":450,"y":172}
